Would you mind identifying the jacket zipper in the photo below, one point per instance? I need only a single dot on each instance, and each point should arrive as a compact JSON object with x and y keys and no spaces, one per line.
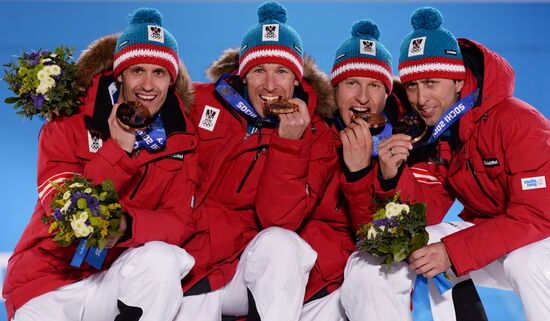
{"x":249,"y":169}
{"x":140,"y":181}
{"x":468,"y":166}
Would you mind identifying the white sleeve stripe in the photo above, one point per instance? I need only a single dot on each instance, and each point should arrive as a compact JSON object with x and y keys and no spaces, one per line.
{"x":63,"y":174}
{"x":427,"y":177}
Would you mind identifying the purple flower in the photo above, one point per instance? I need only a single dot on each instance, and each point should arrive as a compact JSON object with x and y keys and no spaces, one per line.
{"x":38,"y":101}
{"x":34,"y":58}
{"x":389,"y":222}
{"x":91,"y":202}
{"x":93,"y":205}
{"x":57,"y":214}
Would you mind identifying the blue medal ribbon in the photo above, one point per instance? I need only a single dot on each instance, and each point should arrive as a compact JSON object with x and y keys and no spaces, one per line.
{"x":456,"y":111}
{"x":153,"y":138}
{"x":422,"y":310}
{"x":382,"y":136}
{"x":93,"y":255}
{"x":238,"y":102}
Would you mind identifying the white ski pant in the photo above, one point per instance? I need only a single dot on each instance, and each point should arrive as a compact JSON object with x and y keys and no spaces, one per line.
{"x":275,"y":268}
{"x":379,"y":294}
{"x":147,"y":277}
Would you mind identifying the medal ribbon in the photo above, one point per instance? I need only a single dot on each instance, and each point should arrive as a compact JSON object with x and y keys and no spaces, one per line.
{"x":153,"y":138}
{"x":422,"y":310}
{"x":94,"y":256}
{"x":456,"y":111}
{"x":238,"y":102}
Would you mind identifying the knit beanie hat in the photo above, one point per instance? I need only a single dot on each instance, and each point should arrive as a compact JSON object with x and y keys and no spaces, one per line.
{"x":430,"y":51}
{"x":271,"y":41}
{"x":363,"y":55}
{"x":145,"y":41}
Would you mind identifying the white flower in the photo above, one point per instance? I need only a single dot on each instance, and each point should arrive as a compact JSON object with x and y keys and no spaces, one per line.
{"x":43,"y":74}
{"x":394,"y":209}
{"x":53,"y":55}
{"x":66,"y":195}
{"x":88,"y":190}
{"x":52,"y":70}
{"x":81,"y":229}
{"x":45,"y":85}
{"x":73,"y":185}
{"x":371,"y":233}
{"x":65,"y":207}
{"x":78,"y":223}
{"x":46,"y":60}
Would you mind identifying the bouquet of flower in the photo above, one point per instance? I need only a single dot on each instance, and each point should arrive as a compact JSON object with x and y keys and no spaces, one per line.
{"x":81,"y":210}
{"x":43,"y":82}
{"x":396,"y":230}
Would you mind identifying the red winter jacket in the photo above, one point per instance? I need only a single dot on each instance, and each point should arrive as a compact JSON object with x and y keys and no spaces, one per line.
{"x":251,"y":182}
{"x":330,"y":234}
{"x":499,"y":173}
{"x":155,"y":190}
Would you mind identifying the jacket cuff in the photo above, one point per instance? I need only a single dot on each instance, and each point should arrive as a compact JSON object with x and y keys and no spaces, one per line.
{"x":352,"y":177}
{"x":390,"y":184}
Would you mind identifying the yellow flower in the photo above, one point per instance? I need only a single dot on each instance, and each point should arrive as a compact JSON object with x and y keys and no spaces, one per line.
{"x":53,"y":226}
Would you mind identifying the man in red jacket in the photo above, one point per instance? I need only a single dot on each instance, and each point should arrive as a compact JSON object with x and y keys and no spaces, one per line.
{"x":498,"y":161}
{"x":262,"y":174}
{"x":155,"y":181}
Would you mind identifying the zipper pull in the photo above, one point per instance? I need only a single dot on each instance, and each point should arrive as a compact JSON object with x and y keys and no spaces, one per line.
{"x":467,"y":164}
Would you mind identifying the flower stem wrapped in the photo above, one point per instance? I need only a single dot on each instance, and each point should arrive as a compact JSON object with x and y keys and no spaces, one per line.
{"x":44,"y":83}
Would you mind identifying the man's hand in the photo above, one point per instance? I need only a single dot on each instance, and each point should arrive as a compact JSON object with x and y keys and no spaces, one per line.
{"x":392,"y":153}
{"x":430,"y":260}
{"x":124,"y":138}
{"x":121,"y":228}
{"x":293,"y":125}
{"x":357,"y":145}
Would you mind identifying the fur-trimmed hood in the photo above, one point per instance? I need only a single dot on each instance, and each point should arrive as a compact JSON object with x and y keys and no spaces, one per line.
{"x":326,"y":106}
{"x":99,"y":56}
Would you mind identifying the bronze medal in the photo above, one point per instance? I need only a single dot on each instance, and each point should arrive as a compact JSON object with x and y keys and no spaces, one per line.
{"x":279,"y":106}
{"x":376,"y":122}
{"x":133,"y":115}
{"x":412,"y":125}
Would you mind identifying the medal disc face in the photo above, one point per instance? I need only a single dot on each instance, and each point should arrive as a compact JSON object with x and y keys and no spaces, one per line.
{"x":412,"y":125}
{"x":280,"y":106}
{"x":133,"y":115}
{"x":376,"y":122}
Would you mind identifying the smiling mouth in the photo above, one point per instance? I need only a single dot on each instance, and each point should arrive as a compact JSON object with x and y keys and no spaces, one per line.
{"x":145,"y":98}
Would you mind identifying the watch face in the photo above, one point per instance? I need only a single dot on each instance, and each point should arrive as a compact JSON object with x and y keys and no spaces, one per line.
{"x":132,"y":115}
{"x":376,"y":122}
{"x":412,"y":125}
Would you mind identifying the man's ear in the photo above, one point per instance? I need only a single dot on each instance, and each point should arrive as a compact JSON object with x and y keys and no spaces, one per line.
{"x":119,"y":78}
{"x":296,"y":82}
{"x":244,"y":80}
{"x":459,"y":84}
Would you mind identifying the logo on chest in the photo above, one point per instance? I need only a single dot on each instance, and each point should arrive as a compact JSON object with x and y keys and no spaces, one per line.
{"x":209,"y":118}
{"x":533,"y":183}
{"x":94,"y":142}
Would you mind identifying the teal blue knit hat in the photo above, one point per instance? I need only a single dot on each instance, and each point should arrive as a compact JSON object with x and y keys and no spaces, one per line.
{"x":430,"y":51}
{"x":145,"y":41}
{"x":271,"y":41}
{"x":363,"y":55}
